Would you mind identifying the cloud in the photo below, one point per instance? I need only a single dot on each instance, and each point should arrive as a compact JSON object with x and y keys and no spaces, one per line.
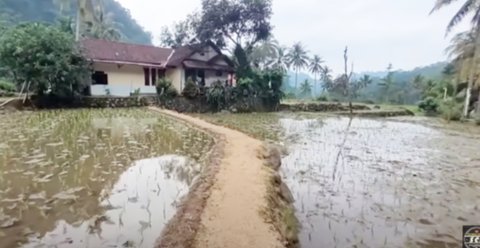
{"x":378,"y":32}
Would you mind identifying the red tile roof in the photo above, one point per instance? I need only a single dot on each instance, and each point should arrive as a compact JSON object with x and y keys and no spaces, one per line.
{"x":109,"y":51}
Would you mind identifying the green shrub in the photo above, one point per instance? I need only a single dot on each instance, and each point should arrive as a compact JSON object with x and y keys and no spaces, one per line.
{"x":322,"y":98}
{"x":7,"y":86}
{"x":451,"y":110}
{"x":216,"y":96}
{"x":165,"y":88}
{"x":191,"y":89}
{"x":136,"y":92}
{"x":429,"y":105}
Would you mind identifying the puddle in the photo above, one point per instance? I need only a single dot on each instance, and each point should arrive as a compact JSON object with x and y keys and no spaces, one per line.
{"x":381,"y":183}
{"x":136,"y":209}
{"x":96,"y":178}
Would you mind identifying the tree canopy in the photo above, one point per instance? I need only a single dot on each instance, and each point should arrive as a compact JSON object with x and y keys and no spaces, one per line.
{"x":45,"y":58}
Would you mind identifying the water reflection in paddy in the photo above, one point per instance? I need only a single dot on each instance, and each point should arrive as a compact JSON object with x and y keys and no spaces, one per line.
{"x":87,"y":177}
{"x":380,"y":183}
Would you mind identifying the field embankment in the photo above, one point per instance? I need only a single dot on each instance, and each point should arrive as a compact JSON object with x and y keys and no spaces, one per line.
{"x":234,"y":214}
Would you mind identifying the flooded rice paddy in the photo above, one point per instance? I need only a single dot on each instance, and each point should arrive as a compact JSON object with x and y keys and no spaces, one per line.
{"x":381,"y":183}
{"x":93,"y":178}
{"x":397,"y":182}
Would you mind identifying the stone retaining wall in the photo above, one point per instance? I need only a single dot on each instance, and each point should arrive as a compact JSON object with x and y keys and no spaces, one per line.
{"x":320,"y":107}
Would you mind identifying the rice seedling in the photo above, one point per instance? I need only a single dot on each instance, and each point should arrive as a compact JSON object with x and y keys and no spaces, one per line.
{"x":56,"y":164}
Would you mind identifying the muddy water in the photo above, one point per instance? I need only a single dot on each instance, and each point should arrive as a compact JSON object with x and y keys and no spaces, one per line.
{"x":381,"y":183}
{"x":93,"y":178}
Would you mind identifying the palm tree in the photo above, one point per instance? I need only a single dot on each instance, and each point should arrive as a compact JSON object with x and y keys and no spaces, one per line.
{"x":461,"y":52}
{"x":104,"y":28}
{"x":281,"y":60}
{"x":85,"y":13}
{"x":298,"y":58}
{"x":387,"y":83}
{"x":306,"y":89}
{"x":264,"y":53}
{"x":316,"y":68}
{"x":326,"y":77}
{"x":469,"y":7}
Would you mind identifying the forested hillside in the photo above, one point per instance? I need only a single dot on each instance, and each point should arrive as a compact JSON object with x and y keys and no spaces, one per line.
{"x":15,"y":11}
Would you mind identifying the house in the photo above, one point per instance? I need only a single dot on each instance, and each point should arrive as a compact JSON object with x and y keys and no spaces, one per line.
{"x":121,"y":69}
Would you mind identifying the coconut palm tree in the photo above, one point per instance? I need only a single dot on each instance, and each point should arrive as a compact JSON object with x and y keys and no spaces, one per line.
{"x":85,"y":13}
{"x":104,"y":28}
{"x":469,"y":7}
{"x":281,"y":61}
{"x":315,"y":68}
{"x":461,"y":52}
{"x":264,"y":53}
{"x":297,"y":58}
{"x":326,"y":77}
{"x":306,"y":89}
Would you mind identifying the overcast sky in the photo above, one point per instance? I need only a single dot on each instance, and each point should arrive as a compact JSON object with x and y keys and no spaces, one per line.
{"x":378,"y":32}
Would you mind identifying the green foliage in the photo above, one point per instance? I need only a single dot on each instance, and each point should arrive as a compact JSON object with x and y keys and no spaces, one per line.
{"x":477,"y":119}
{"x":243,"y":22}
{"x":165,"y":89}
{"x":306,"y":89}
{"x":191,"y":89}
{"x":136,"y":92}
{"x":429,"y":105}
{"x":180,"y":34}
{"x":7,"y":86}
{"x":48,"y":11}
{"x":46,"y":58}
{"x":216,"y":96}
{"x":322,"y":98}
{"x":450,"y":110}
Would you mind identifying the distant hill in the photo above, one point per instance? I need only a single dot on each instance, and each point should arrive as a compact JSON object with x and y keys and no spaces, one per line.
{"x":16,"y":11}
{"x":401,"y":89}
{"x":433,"y":71}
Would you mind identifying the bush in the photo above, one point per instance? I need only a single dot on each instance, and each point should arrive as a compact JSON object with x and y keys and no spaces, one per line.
{"x":191,"y":89}
{"x":7,"y":86}
{"x":216,"y":96}
{"x":165,"y":88}
{"x":451,"y":110}
{"x":322,"y":98}
{"x":429,"y":105}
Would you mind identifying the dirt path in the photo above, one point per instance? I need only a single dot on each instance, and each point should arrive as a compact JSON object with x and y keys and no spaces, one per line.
{"x":232,"y":215}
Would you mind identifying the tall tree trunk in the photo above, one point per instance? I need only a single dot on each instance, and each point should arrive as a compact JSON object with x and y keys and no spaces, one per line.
{"x":471,"y":77}
{"x":296,"y":79}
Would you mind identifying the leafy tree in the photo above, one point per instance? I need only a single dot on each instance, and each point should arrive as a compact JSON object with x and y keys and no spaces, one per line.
{"x":306,"y":89}
{"x":387,"y":84}
{"x":315,"y":67}
{"x":243,"y":23}
{"x":44,"y":58}
{"x":469,"y":7}
{"x":297,"y":58}
{"x":180,"y":34}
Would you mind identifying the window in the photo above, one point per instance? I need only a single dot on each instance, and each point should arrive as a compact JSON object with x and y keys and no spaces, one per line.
{"x":154,"y":76}
{"x":99,"y":77}
{"x":218,"y":73}
{"x":146,"y":72}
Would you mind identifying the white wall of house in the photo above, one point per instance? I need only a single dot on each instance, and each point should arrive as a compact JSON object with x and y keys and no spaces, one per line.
{"x":122,"y":80}
{"x":211,"y":77}
{"x":177,"y":76}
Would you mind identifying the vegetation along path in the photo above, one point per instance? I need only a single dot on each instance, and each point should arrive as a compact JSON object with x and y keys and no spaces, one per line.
{"x":232,"y":215}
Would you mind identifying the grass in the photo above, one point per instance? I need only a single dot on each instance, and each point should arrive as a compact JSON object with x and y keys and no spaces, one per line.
{"x":263,"y":126}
